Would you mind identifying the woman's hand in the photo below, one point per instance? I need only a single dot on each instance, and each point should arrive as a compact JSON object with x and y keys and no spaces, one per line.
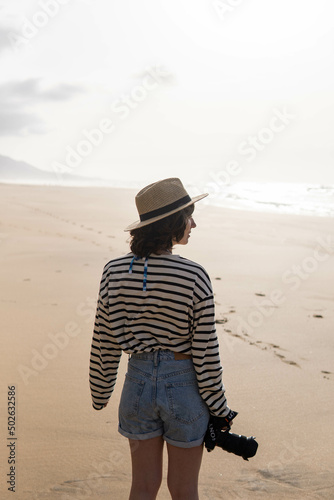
{"x":216,"y":425}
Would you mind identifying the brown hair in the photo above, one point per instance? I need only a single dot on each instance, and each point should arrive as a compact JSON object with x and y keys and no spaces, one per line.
{"x":158,"y":236}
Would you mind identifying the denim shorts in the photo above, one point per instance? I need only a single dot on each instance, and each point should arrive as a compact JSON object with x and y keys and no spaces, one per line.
{"x":160,"y":397}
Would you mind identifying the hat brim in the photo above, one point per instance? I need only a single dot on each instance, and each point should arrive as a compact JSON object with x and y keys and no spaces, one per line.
{"x":138,"y":224}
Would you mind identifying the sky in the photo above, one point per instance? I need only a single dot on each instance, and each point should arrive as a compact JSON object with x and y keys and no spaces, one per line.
{"x":205,"y":90}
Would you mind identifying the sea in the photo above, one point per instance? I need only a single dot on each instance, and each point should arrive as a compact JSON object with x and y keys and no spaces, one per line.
{"x":275,"y":197}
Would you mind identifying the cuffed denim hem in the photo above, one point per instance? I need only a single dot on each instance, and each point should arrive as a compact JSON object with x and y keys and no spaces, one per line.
{"x":181,"y":444}
{"x":159,"y":432}
{"x":141,"y":437}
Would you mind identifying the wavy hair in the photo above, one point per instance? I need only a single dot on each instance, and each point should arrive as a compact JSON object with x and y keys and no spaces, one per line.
{"x":158,"y":236}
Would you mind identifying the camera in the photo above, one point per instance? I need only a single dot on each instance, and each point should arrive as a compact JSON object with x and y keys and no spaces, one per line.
{"x":242,"y":446}
{"x":218,"y":434}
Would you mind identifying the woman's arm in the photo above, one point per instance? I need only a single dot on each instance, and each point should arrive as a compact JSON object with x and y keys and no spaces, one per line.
{"x":206,"y":359}
{"x":104,"y":358}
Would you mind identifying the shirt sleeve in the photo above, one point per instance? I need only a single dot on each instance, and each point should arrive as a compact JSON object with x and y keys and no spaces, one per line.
{"x":206,"y":359}
{"x":104,"y":358}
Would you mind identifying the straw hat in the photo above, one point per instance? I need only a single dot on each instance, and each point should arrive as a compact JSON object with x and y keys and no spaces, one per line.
{"x":160,"y":199}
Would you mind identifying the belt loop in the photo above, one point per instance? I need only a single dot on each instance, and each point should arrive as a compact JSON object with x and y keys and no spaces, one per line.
{"x":155,"y":358}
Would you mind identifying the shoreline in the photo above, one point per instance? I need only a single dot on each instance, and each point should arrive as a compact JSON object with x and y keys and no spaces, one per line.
{"x":227,"y":206}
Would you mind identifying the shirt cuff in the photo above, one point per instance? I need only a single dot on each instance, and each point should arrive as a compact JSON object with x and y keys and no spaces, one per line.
{"x":98,"y":407}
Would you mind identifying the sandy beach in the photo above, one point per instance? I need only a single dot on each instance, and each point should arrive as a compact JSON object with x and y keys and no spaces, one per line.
{"x":273,"y":280}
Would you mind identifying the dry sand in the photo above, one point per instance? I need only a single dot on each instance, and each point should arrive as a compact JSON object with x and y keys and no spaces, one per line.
{"x":273,"y":279}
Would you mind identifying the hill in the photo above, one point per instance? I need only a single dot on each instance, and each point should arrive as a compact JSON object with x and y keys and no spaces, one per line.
{"x":20,"y":172}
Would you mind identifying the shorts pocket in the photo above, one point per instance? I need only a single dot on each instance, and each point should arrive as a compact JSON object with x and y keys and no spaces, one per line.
{"x":185,"y":402}
{"x":130,"y":398}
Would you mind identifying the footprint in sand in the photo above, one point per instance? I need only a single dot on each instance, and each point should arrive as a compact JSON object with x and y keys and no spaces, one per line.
{"x":260,"y":345}
{"x":293,"y":363}
{"x":221,"y":321}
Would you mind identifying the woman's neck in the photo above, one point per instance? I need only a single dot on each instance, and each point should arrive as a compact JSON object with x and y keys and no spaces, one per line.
{"x":164,"y":252}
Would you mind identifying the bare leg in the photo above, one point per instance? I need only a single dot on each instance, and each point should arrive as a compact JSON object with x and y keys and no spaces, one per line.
{"x":183,"y":471}
{"x":146,"y":457}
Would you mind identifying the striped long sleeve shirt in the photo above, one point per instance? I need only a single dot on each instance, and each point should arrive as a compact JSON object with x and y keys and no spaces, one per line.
{"x":161,"y":302}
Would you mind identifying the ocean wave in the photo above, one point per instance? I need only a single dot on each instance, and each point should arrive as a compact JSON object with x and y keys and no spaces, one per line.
{"x":278,"y":197}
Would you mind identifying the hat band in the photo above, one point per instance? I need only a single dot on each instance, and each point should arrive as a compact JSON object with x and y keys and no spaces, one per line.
{"x":165,"y":209}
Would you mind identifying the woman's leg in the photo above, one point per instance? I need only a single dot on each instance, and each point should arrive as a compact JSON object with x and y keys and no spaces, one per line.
{"x":183,"y":471}
{"x":146,"y":457}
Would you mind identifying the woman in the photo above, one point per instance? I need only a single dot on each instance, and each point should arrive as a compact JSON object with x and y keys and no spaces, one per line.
{"x":158,"y":307}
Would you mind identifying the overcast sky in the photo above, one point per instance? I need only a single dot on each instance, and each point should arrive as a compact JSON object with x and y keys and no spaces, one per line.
{"x":139,"y":90}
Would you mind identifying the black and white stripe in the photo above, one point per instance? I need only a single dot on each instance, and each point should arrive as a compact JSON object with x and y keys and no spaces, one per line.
{"x":175,"y":312}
